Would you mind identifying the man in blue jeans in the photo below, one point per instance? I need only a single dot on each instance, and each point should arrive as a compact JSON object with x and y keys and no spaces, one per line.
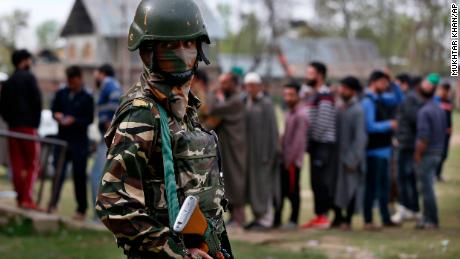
{"x":109,"y":98}
{"x":431,"y":133}
{"x":379,"y":105}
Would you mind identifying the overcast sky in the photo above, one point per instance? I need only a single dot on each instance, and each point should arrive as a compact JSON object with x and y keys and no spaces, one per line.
{"x":43,"y":10}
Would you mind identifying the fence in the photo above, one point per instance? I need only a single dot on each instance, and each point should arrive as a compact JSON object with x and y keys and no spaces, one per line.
{"x":48,"y":149}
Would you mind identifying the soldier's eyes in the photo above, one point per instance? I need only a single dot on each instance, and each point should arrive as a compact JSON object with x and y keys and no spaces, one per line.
{"x":177,"y":44}
{"x":170,"y":45}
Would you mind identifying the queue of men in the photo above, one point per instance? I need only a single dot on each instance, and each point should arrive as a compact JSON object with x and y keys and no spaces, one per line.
{"x":350,"y":132}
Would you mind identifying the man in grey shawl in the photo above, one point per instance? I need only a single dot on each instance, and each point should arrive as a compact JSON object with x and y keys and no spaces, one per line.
{"x":352,"y":140}
{"x":262,"y":137}
{"x":227,"y":117}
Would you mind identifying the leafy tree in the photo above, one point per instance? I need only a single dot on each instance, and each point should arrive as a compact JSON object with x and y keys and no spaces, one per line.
{"x":48,"y":34}
{"x":10,"y":26}
{"x":410,"y":34}
{"x":248,"y":40}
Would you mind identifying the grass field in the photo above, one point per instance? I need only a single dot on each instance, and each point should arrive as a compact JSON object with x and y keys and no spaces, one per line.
{"x":405,"y":242}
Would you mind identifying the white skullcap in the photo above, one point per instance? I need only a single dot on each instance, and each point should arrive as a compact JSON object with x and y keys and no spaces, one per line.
{"x":252,"y":78}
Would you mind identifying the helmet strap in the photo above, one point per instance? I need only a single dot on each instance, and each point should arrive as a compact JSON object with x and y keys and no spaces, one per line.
{"x":201,"y":55}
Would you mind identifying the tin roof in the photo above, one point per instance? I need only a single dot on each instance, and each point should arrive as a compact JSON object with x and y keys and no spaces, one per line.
{"x":342,"y":56}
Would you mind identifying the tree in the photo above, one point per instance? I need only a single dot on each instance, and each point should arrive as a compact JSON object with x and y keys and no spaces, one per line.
{"x":349,"y":12}
{"x":10,"y":26}
{"x":413,"y":31}
{"x":48,"y":34}
{"x":225,"y":12}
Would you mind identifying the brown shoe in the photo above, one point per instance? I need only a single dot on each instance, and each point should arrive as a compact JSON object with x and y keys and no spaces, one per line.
{"x":345,"y":227}
{"x":371,"y":227}
{"x":391,"y":225}
{"x":79,"y":217}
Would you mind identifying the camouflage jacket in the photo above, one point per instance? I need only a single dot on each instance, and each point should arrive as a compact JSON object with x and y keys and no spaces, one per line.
{"x":132,"y":198}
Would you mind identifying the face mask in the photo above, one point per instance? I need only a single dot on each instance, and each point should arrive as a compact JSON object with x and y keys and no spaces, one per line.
{"x":179,"y":100}
{"x":173,"y":97}
{"x":177,"y":60}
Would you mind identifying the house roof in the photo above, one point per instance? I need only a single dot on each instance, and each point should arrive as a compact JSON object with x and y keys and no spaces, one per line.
{"x":342,"y":56}
{"x":112,"y":18}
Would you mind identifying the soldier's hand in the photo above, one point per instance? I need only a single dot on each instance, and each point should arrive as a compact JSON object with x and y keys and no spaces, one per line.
{"x":197,"y":253}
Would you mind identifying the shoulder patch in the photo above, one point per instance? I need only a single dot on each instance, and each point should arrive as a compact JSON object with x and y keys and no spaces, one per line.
{"x":141,"y":103}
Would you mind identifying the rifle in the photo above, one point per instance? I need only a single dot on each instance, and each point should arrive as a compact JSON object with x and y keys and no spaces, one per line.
{"x":191,"y":222}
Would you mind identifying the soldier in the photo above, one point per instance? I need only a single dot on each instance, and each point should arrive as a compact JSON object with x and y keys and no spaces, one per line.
{"x":158,"y":152}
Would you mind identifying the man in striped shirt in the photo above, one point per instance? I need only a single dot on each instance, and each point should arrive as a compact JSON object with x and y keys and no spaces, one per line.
{"x":322,"y":139}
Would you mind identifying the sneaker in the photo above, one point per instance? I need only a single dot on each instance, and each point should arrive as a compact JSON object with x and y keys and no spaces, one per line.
{"x":426,"y":226}
{"x":320,"y":222}
{"x":30,"y":206}
{"x":256,"y":226}
{"x":402,"y":214}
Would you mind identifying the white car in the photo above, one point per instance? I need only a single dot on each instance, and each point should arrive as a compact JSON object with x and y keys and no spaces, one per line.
{"x":49,"y":127}
{"x":3,"y":77}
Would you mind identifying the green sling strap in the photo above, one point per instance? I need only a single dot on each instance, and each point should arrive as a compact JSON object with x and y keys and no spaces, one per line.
{"x":170,"y":181}
{"x":168,"y":164}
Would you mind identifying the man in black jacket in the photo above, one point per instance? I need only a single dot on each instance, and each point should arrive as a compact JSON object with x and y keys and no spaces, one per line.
{"x":20,"y":107}
{"x":406,"y":135}
{"x":73,"y":109}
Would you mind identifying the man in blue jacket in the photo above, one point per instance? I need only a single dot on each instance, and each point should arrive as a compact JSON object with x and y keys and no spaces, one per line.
{"x":379,"y":104}
{"x":107,"y":105}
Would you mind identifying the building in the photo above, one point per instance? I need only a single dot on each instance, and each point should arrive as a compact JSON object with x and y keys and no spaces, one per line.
{"x":96,"y":33}
{"x":342,"y":56}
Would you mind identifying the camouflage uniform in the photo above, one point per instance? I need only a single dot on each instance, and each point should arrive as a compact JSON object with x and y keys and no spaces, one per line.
{"x":131,"y":202}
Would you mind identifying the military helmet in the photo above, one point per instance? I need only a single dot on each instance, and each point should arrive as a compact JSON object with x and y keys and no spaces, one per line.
{"x":166,"y":20}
